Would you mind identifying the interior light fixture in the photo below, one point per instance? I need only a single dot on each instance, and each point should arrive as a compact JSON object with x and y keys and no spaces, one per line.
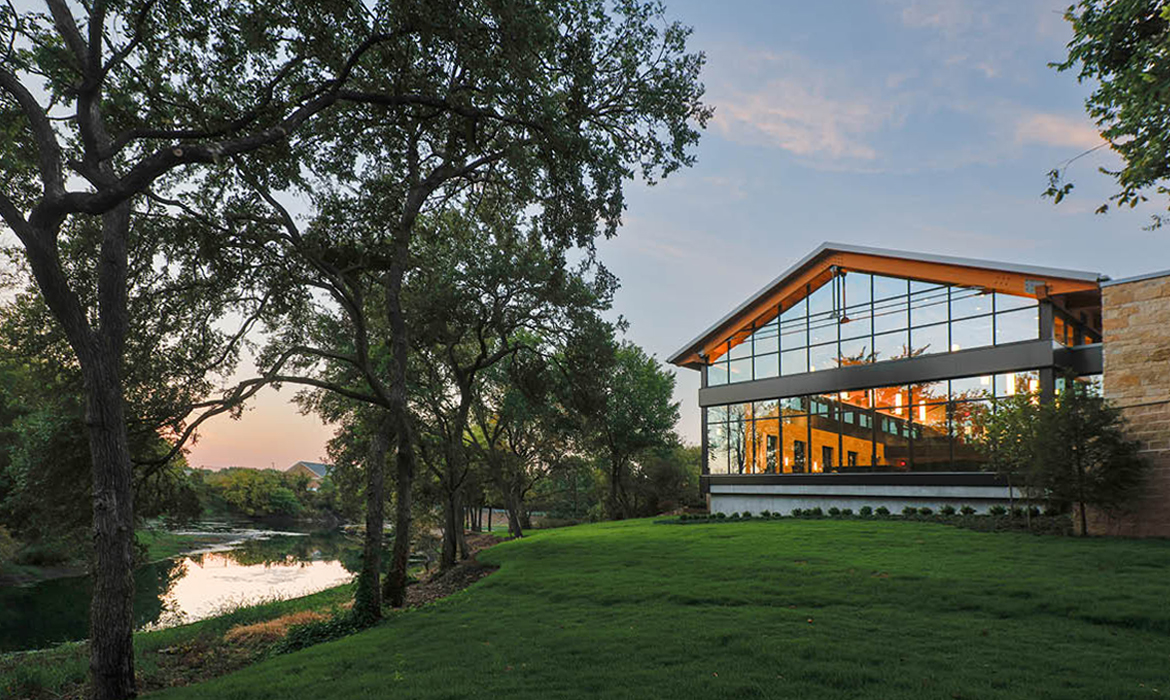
{"x":922,"y":413}
{"x":1011,"y":385}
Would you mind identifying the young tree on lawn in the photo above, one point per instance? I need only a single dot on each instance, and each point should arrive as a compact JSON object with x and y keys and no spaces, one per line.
{"x":638,"y":415}
{"x":1008,"y":437}
{"x":1084,"y":454}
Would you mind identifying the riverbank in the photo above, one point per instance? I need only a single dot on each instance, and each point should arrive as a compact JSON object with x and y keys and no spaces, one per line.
{"x":155,"y":545}
{"x":163,"y":658}
{"x":215,"y":646}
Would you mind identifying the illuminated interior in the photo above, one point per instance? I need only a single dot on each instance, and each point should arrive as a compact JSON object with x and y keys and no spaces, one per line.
{"x":919,"y":427}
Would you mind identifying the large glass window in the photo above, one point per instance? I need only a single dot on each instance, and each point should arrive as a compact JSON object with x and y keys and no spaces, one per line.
{"x":929,"y":426}
{"x":858,"y":318}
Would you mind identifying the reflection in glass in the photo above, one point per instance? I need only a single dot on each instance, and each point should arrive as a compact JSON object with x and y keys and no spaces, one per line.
{"x":767,"y":366}
{"x":794,"y":361}
{"x":890,"y":314}
{"x":971,"y":333}
{"x":767,"y":339}
{"x":716,"y":374}
{"x":929,"y":340}
{"x":794,"y":326}
{"x":740,"y":370}
{"x":795,"y":452}
{"x":738,"y":438}
{"x":1007,"y":302}
{"x":971,"y":388}
{"x":822,"y":357}
{"x":966,"y":417}
{"x":717,"y":449}
{"x":966,"y":301}
{"x":932,"y":443}
{"x":855,"y":352}
{"x":1015,"y":326}
{"x":928,"y":305}
{"x":890,"y":346}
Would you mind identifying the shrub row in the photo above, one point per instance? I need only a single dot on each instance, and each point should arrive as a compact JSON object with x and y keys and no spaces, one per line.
{"x":869,"y":512}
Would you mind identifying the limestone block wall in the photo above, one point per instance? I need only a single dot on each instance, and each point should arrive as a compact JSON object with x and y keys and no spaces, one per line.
{"x":1136,"y":335}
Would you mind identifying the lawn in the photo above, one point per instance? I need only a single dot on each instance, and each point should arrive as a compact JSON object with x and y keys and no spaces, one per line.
{"x":784,"y":609}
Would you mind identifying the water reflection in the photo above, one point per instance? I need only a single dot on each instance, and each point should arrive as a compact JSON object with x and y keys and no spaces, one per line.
{"x":186,"y":589}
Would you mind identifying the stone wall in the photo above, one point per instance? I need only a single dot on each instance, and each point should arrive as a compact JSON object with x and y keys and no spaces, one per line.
{"x":1136,"y":327}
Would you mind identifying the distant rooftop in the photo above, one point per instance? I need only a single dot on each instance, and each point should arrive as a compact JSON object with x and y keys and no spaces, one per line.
{"x":315,"y":467}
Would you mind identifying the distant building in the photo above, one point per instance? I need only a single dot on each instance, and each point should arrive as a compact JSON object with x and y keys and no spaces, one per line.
{"x":314,"y":470}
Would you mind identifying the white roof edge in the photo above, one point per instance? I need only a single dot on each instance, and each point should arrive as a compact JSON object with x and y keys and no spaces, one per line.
{"x":827,"y":246}
{"x":1138,"y":278}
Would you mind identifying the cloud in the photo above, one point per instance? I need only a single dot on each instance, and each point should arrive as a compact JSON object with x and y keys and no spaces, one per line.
{"x":947,"y":16}
{"x":809,"y":112}
{"x":1056,"y":130}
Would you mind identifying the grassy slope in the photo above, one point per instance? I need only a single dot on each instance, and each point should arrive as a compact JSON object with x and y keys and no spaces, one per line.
{"x":810,"y":609}
{"x":49,"y":672}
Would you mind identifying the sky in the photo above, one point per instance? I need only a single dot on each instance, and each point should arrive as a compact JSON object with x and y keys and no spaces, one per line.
{"x":925,"y":126}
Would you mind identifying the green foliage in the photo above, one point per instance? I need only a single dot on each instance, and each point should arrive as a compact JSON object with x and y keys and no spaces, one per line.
{"x":834,"y":511}
{"x":341,"y":624}
{"x":1073,"y":450}
{"x":1119,"y":48}
{"x":925,"y":510}
{"x":797,"y":512}
{"x":8,"y":547}
{"x":847,"y":512}
{"x":908,"y":511}
{"x":947,"y":510}
{"x":866,"y":511}
{"x":262,"y":492}
{"x":967,"y":510}
{"x":814,"y":512}
{"x":882,"y":510}
{"x":997,"y":510}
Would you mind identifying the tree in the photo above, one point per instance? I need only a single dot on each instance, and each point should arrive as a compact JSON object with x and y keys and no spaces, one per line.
{"x":142,"y":102}
{"x":1084,"y":454}
{"x":1120,"y":48}
{"x":638,"y":415}
{"x":556,"y":104}
{"x":1070,"y":451}
{"x":484,"y":292}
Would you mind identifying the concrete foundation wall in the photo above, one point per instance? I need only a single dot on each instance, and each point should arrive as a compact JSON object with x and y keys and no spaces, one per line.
{"x":782,"y":498}
{"x":1136,"y":326}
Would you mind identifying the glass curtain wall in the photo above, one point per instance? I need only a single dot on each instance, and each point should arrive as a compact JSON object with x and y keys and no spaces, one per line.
{"x":859,"y":318}
{"x":930,"y":426}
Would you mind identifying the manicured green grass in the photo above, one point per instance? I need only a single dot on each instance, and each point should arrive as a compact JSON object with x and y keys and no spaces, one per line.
{"x":783,"y":609}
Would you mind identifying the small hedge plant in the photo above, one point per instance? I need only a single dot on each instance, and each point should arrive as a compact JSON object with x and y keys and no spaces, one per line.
{"x":866,"y":511}
{"x":947,"y":510}
{"x":925,"y":510}
{"x":834,"y":511}
{"x":882,"y":510}
{"x":997,"y":510}
{"x":909,"y":510}
{"x":967,"y":510}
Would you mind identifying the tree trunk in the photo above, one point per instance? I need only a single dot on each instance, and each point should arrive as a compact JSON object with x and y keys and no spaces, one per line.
{"x":450,"y":528}
{"x":395,"y":584}
{"x":515,"y":523}
{"x":111,"y":625}
{"x":368,"y":598}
